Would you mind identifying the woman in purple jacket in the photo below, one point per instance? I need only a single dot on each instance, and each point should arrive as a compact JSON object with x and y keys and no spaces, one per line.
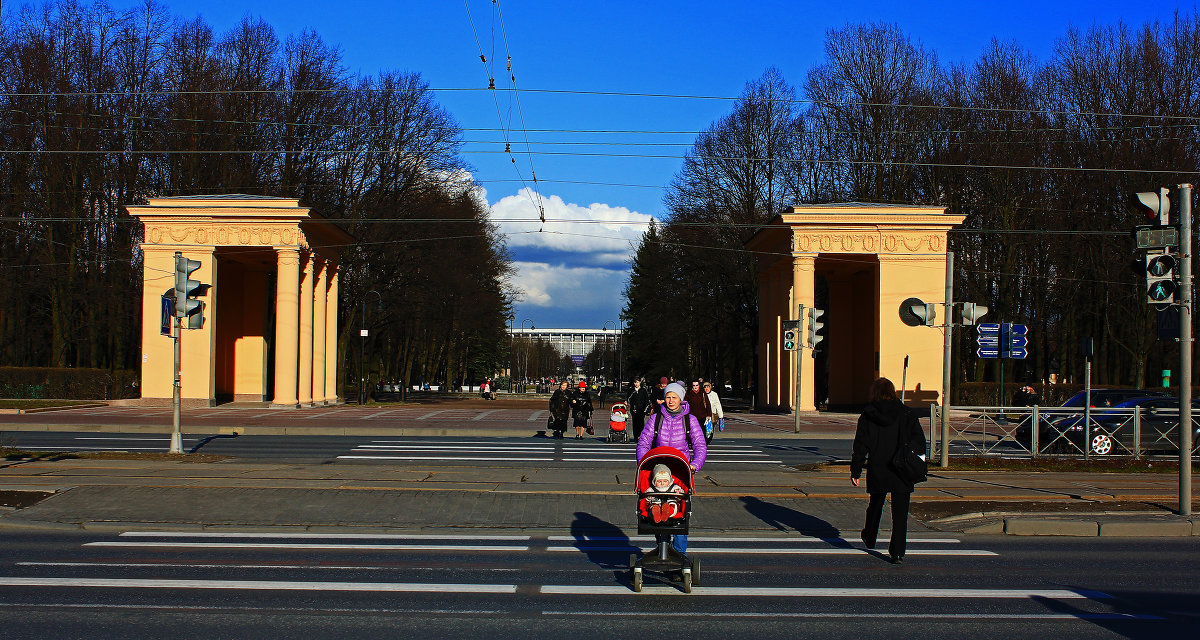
{"x":676,"y":428}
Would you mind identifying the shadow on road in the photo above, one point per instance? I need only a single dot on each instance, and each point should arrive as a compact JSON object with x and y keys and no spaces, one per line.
{"x":788,"y":519}
{"x":604,"y":543}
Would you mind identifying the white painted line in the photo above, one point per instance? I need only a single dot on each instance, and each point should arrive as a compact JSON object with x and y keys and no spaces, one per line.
{"x":883,"y":535}
{"x":312,"y":546}
{"x":261,"y":585}
{"x":544,"y":459}
{"x":484,"y":414}
{"x":533,"y":417}
{"x":159,"y":439}
{"x":259,"y":415}
{"x":544,"y":442}
{"x":381,"y":413}
{"x":830,"y":551}
{"x":115,"y":447}
{"x":431,"y":414}
{"x":359,"y":567}
{"x":835,"y":592}
{"x":309,"y":536}
{"x":853,"y":615}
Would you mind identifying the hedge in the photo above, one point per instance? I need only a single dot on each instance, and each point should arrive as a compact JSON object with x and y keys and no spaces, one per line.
{"x":36,"y":383}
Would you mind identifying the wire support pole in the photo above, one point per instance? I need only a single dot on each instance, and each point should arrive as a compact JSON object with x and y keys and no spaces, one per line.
{"x":1185,"y":352}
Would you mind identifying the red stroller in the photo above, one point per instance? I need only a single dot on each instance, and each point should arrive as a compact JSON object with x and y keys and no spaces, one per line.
{"x":618,"y":418}
{"x":664,"y":513}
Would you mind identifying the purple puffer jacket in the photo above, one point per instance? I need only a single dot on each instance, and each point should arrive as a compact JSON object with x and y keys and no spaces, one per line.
{"x":671,"y":434}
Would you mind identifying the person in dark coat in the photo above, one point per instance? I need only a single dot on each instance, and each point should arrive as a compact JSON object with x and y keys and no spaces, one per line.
{"x":639,"y":407}
{"x":581,"y":409}
{"x":700,"y":407}
{"x":659,"y":394}
{"x":883,"y":424}
{"x":560,"y":409}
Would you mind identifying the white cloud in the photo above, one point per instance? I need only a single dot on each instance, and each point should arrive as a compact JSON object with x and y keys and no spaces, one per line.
{"x":561,"y":287}
{"x":597,"y":234}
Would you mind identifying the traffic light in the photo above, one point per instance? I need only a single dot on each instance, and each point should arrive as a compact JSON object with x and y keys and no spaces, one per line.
{"x":791,"y":335}
{"x":926,"y":312}
{"x":1155,"y":206}
{"x":186,"y":305}
{"x":971,"y":313}
{"x":816,"y":328}
{"x":1160,"y":277}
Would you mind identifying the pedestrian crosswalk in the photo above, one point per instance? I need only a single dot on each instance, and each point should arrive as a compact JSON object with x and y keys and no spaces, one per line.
{"x":535,"y":450}
{"x":176,"y":563}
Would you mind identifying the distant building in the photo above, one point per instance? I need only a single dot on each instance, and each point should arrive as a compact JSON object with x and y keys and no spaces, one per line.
{"x":569,"y":342}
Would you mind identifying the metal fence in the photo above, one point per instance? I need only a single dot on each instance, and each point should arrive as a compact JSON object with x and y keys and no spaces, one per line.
{"x":1060,"y":431}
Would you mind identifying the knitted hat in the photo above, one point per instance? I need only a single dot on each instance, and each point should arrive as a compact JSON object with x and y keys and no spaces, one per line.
{"x":663,"y":380}
{"x":661,"y":472}
{"x":582,"y":384}
{"x":676,"y":389}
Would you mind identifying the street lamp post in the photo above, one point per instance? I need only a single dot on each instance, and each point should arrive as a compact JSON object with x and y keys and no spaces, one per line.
{"x":525,"y":365}
{"x":362,"y":355}
{"x":511,"y":342}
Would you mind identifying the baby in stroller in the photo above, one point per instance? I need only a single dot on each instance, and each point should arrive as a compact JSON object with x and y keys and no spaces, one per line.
{"x":661,"y":508}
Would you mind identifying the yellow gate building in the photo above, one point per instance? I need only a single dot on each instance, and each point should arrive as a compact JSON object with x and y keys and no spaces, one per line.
{"x":858,"y":262}
{"x":270,"y":315}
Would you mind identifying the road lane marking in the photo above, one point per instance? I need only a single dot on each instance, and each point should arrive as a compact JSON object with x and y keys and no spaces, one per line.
{"x":260,"y":585}
{"x":484,"y":414}
{"x":855,"y":615}
{"x":551,"y":459}
{"x":835,"y":592}
{"x":310,"y":546}
{"x":535,"y":415}
{"x":158,"y":439}
{"x":172,"y":565}
{"x":331,"y":536}
{"x":791,"y":539}
{"x":381,"y":413}
{"x":545,"y":442}
{"x":752,"y":551}
{"x":431,"y":414}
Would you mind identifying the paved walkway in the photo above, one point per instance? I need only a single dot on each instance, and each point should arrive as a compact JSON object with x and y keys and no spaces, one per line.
{"x":190,"y":494}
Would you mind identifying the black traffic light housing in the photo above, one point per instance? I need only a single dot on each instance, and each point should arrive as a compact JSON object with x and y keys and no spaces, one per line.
{"x":188,"y":309}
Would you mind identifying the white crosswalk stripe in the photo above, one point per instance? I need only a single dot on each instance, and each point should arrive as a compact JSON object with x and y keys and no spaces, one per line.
{"x":568,"y":450}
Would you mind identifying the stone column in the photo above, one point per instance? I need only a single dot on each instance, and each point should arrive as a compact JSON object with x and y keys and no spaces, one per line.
{"x":305,"y":369}
{"x":320,"y":291}
{"x":287,"y":320}
{"x":331,"y":335}
{"x":804,"y":287}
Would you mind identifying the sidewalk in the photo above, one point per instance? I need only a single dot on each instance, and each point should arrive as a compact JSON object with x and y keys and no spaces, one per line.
{"x":121,"y":494}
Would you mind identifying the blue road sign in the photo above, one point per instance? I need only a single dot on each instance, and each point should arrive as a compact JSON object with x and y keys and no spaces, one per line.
{"x":1017,"y":353}
{"x":988,"y":341}
{"x":987,"y":352}
{"x":1019,"y":341}
{"x":988,"y":327}
{"x":168,"y":308}
{"x":1018,"y":329}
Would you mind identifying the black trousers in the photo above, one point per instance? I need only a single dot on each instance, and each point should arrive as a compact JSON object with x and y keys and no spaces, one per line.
{"x":900,"y":500}
{"x":639,"y":423}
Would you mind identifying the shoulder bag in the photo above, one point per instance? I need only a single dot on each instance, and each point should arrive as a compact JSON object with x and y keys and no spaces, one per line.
{"x":907,"y":464}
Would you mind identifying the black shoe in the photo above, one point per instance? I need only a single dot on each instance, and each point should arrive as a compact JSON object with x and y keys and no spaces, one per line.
{"x":862,"y":535}
{"x":897,"y":559}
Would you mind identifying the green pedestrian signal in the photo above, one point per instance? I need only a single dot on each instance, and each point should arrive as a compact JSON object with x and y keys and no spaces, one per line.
{"x":1160,"y":278}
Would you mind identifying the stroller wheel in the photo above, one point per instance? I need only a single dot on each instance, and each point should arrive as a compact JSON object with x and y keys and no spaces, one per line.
{"x":687,"y":580}
{"x":636,"y":579}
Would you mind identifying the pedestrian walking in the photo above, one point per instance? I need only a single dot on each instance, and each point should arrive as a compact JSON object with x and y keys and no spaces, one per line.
{"x":659,"y":393}
{"x":639,"y":406}
{"x":560,"y":409}
{"x":581,"y":410}
{"x":700,"y":407}
{"x":673,"y":426}
{"x":884,"y":425}
{"x":715,"y":402}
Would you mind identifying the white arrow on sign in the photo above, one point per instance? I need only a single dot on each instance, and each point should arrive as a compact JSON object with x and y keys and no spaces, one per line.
{"x":988,"y":341}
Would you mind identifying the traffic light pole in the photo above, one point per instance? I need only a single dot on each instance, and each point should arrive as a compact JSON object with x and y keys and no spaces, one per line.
{"x":1185,"y":351}
{"x":798,"y":354}
{"x":177,"y":431}
{"x":947,"y":342}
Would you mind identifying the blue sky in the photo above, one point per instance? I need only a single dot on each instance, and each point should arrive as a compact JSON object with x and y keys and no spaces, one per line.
{"x":573,"y":272}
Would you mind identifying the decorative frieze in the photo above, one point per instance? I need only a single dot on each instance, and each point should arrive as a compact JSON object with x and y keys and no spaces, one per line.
{"x":867,"y":242}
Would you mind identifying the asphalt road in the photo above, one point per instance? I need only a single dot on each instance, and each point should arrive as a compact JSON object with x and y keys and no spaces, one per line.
{"x":449,"y":450}
{"x":574,"y":583}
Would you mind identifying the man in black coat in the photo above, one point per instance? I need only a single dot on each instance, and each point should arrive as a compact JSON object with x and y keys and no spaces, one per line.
{"x":884,"y":423}
{"x":639,"y":406}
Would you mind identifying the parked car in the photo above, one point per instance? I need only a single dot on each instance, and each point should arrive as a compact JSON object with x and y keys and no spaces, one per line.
{"x":1056,"y":423}
{"x":1112,"y":431}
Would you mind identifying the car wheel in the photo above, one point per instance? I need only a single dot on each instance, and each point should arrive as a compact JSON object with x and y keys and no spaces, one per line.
{"x":1102,"y":444}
